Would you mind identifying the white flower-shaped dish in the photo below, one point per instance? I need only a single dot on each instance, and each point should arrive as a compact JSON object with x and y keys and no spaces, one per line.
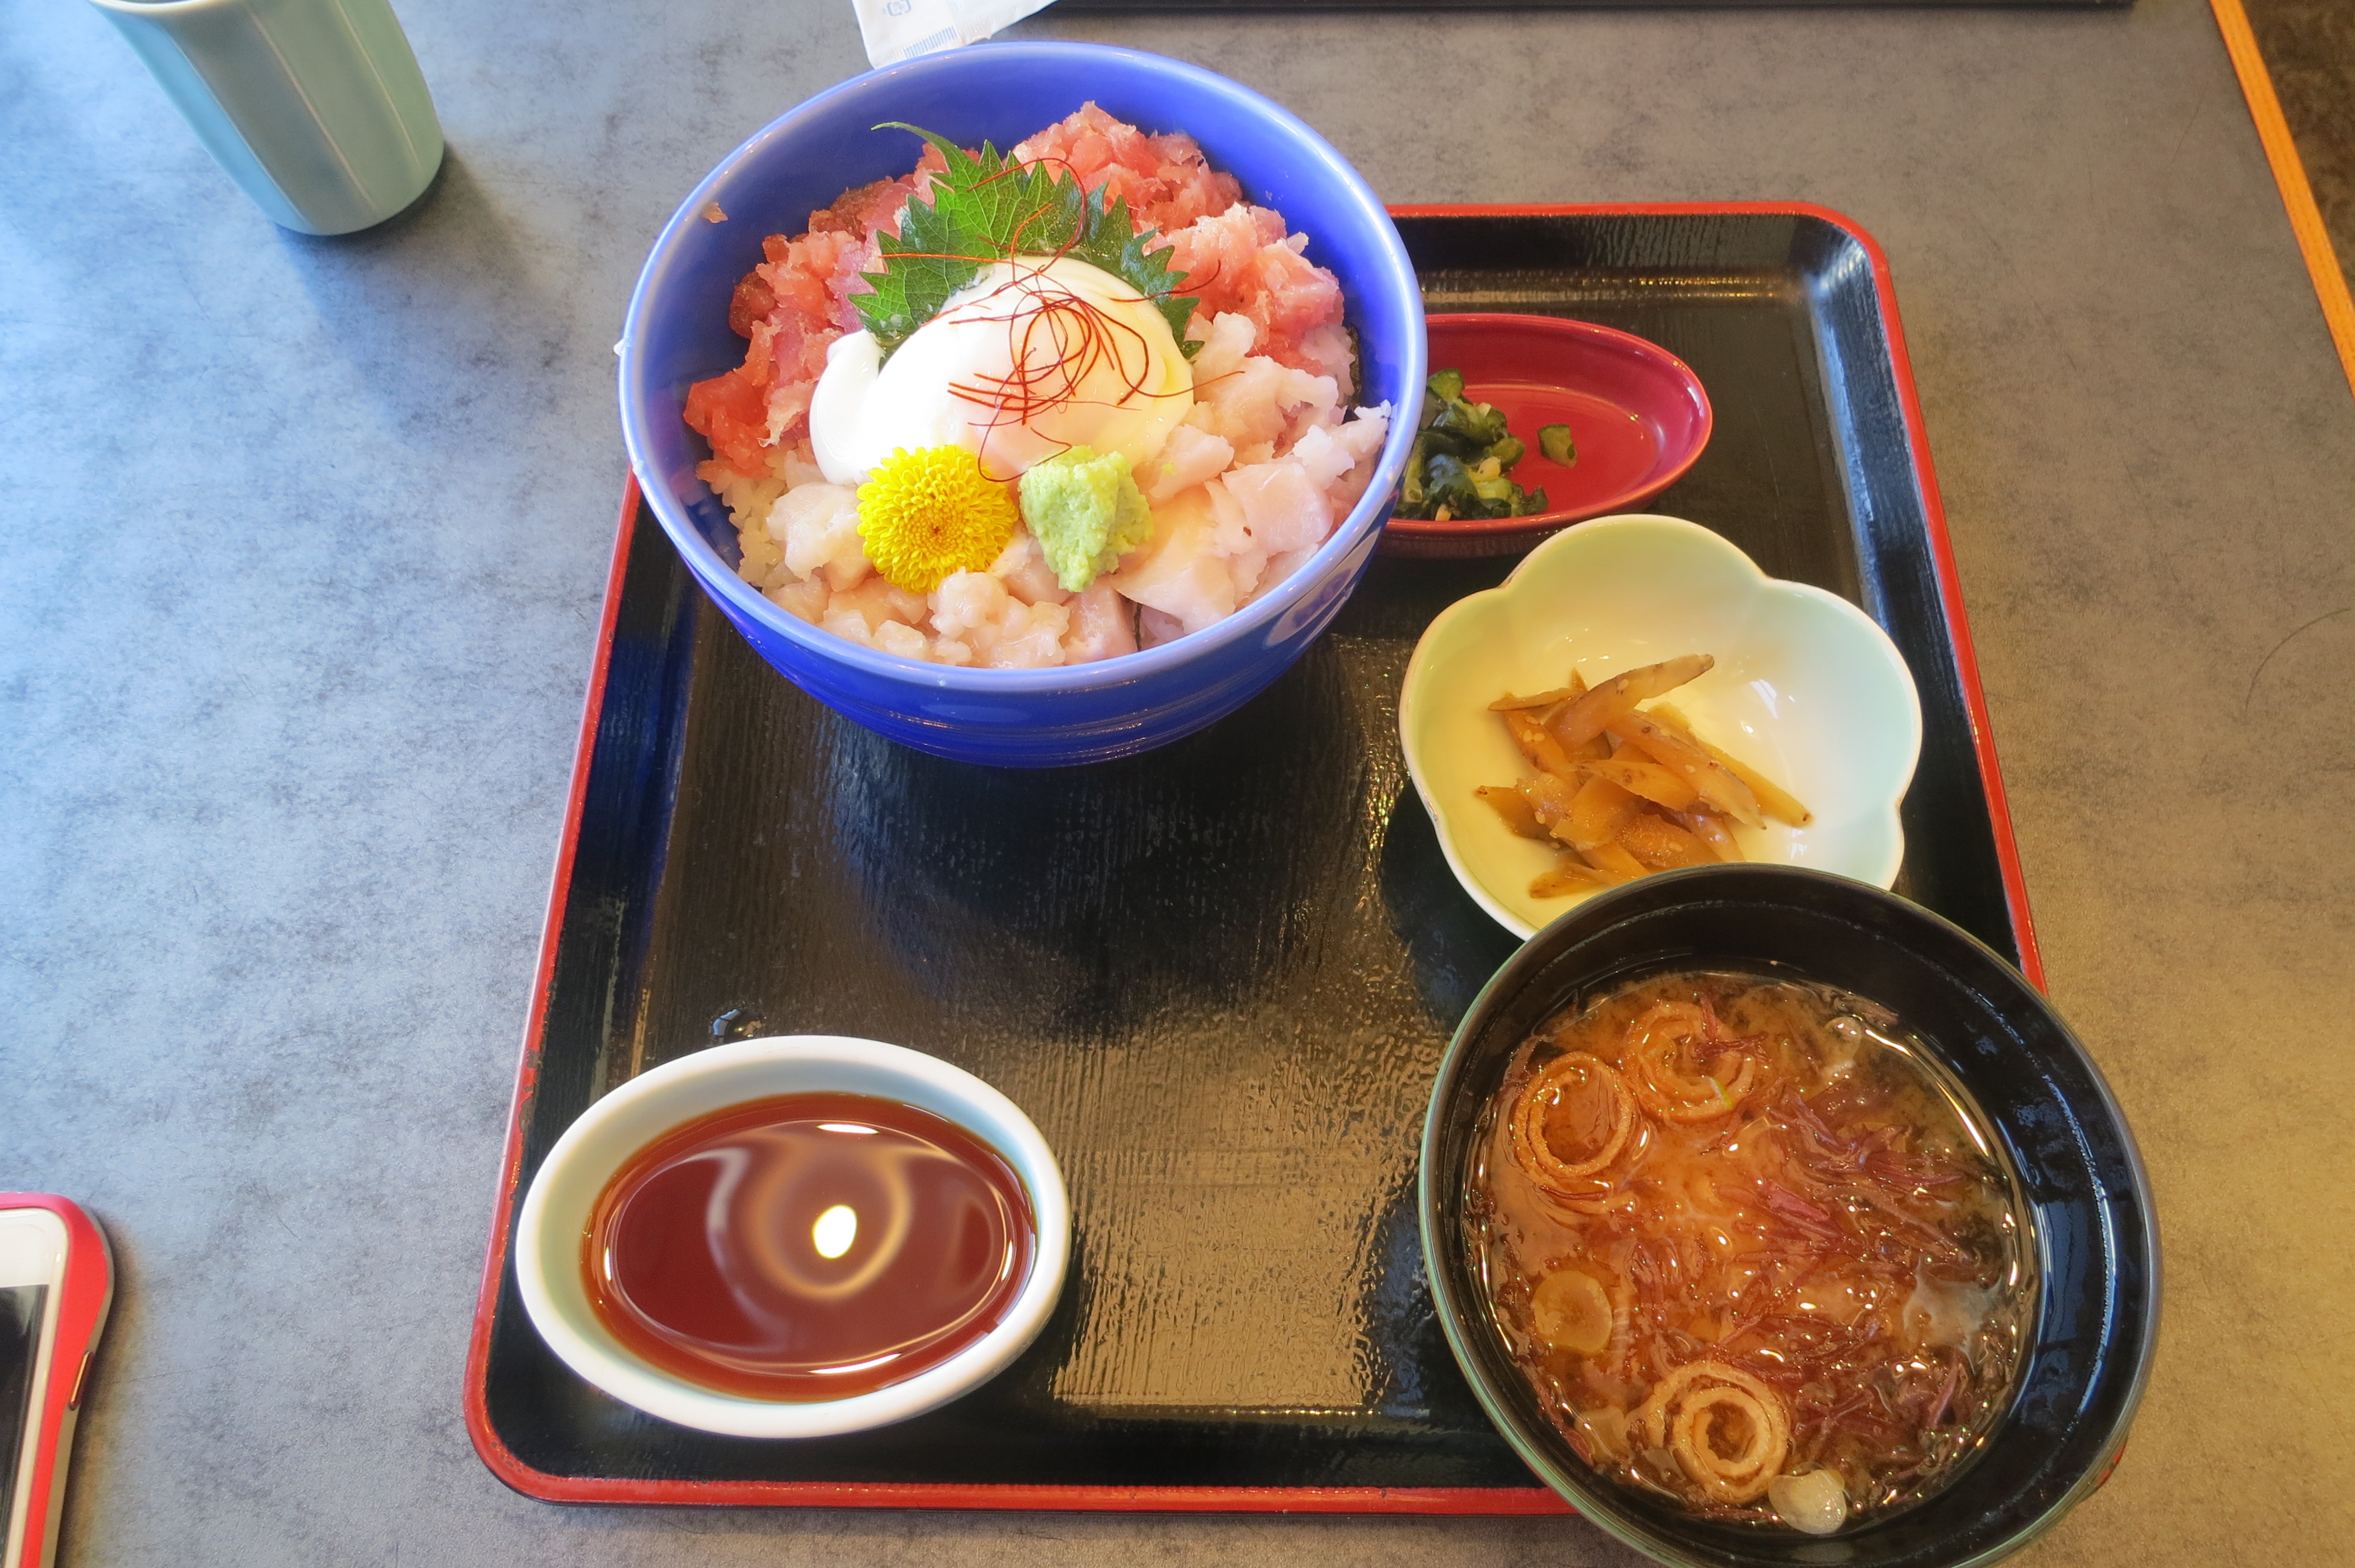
{"x":1806,"y":689}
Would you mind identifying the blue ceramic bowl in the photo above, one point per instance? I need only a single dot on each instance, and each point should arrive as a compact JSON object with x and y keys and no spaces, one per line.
{"x":2095,"y":1237}
{"x":677,"y":334}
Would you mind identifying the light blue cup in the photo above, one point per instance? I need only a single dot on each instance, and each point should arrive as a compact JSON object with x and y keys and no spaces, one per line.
{"x":314,"y":106}
{"x":677,"y":333}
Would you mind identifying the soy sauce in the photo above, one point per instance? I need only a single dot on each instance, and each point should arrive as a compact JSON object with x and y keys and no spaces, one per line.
{"x":809,"y":1246}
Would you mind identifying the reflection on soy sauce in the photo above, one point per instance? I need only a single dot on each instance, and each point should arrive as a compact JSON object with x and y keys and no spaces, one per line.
{"x":809,"y":1246}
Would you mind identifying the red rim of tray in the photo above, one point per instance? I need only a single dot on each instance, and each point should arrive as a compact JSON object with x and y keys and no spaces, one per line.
{"x":1537,"y":367}
{"x":540,"y":1484}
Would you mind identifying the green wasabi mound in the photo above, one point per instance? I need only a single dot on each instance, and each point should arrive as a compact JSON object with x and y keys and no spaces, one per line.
{"x":1085,"y":511}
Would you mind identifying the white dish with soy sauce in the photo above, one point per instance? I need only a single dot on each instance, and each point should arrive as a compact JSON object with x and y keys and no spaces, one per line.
{"x":794,"y":1237}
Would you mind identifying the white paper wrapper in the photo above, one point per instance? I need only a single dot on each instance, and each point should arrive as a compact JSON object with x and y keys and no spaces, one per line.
{"x":901,"y":30}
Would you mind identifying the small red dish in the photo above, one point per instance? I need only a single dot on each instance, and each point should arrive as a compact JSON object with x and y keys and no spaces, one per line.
{"x":1636,"y":415}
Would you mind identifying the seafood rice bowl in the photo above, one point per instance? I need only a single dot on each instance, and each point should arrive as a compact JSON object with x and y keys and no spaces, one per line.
{"x":1030,"y":403}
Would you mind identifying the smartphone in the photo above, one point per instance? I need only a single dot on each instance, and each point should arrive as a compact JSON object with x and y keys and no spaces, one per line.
{"x":56,"y":1280}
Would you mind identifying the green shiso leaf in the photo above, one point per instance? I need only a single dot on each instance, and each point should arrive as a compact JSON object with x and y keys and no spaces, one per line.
{"x":1113,"y":242}
{"x":986,"y":210}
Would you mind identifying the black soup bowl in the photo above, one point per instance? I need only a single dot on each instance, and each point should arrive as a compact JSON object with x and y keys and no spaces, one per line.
{"x":2087,"y":1354}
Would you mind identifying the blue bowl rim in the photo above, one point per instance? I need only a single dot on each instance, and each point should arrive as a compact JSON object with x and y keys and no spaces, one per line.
{"x":1601,"y":910}
{"x":721,"y":580}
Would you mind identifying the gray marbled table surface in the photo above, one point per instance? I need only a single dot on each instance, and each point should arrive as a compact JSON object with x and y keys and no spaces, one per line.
{"x":301,"y":545}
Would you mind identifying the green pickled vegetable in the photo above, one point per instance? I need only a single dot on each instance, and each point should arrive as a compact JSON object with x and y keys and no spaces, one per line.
{"x":1463,"y":459}
{"x":1555,"y":442}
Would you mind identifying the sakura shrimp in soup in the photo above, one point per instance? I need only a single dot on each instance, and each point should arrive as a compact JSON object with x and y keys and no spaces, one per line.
{"x":1751,"y":1249}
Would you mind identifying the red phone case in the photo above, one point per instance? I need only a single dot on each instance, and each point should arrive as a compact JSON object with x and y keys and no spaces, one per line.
{"x":83,"y":1297}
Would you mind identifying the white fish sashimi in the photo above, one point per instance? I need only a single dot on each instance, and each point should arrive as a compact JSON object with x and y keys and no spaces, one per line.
{"x":1022,"y":568}
{"x":1252,"y":401}
{"x":1099,"y":626}
{"x":974,"y":610}
{"x":1282,"y":506}
{"x":818,"y":526}
{"x":1180,"y":572}
{"x":1192,"y":456}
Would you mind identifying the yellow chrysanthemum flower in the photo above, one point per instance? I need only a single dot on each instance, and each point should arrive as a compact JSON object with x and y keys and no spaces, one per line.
{"x":924,"y":515}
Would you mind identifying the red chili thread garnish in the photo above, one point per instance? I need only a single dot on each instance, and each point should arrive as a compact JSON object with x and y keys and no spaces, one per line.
{"x":1191,"y":290}
{"x":1056,"y":339}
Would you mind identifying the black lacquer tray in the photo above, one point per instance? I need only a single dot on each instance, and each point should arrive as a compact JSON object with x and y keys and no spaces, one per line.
{"x":1218,"y":976}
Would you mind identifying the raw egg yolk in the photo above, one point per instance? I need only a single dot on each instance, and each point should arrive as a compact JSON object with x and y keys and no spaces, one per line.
{"x":1039,"y":356}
